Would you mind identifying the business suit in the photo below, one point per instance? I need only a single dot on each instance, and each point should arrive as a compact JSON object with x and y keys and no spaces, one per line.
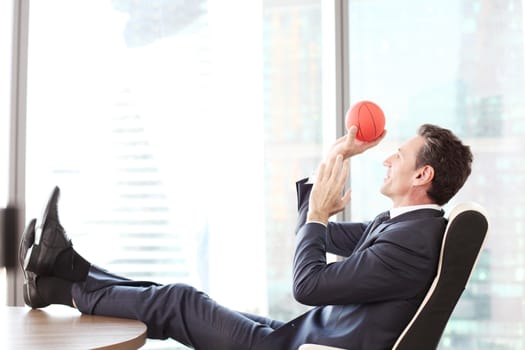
{"x":361,"y":303}
{"x":365,"y":301}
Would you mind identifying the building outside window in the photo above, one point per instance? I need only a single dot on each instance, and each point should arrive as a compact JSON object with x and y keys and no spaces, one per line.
{"x":176,"y":131}
{"x":461,"y":65}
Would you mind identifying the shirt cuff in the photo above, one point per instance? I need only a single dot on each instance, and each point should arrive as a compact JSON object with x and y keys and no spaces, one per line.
{"x":311,"y":179}
{"x":316,"y":222}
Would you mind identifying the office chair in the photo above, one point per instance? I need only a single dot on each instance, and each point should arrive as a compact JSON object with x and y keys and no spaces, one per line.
{"x":462,"y":244}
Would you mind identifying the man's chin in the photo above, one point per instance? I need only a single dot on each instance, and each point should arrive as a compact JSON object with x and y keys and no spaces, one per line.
{"x":384,"y":190}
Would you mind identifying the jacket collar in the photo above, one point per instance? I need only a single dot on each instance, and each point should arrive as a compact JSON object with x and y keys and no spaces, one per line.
{"x":401,"y":210}
{"x":415,"y":214}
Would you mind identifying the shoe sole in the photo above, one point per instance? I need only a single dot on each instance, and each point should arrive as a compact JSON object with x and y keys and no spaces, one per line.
{"x":27,"y":274}
{"x":34,"y":251}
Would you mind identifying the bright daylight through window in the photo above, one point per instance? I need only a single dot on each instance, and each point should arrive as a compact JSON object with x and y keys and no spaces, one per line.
{"x":459,"y":64}
{"x":171,"y":128}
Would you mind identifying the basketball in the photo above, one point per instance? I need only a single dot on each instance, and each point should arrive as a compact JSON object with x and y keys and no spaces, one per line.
{"x":369,"y":119}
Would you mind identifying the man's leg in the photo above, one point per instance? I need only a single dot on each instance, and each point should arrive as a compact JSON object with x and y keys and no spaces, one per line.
{"x":55,"y":273}
{"x":175,"y":311}
{"x":264,"y":320}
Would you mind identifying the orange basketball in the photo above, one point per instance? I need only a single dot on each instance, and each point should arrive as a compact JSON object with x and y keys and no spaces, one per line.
{"x":369,"y":119}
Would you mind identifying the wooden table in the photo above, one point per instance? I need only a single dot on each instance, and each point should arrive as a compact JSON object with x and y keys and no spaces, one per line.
{"x":61,"y":327}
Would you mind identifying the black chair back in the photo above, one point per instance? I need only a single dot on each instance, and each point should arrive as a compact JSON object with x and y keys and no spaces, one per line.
{"x":462,"y":244}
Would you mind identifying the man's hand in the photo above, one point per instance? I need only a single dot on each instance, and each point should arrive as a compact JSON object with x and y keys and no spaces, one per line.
{"x":327,"y":196}
{"x":349,"y":146}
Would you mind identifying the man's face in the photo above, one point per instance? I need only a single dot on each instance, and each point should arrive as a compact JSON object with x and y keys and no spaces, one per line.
{"x":401,"y":172}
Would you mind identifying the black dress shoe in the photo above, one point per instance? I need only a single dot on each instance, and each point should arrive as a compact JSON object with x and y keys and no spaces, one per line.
{"x":31,"y":296}
{"x":51,"y":242}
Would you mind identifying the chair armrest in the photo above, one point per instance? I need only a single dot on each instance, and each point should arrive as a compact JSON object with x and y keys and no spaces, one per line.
{"x":317,"y":347}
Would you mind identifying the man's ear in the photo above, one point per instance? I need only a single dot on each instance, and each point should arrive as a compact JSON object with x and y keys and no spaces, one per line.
{"x":424,"y":175}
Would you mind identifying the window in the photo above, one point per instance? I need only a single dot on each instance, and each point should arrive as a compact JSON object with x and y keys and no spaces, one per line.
{"x":176,"y":131}
{"x":461,"y":65}
{"x":5,"y":97}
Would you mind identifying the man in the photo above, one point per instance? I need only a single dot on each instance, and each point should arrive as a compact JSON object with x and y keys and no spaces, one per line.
{"x":361,"y":302}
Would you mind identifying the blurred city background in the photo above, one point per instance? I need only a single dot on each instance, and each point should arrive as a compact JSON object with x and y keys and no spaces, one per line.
{"x":177,"y":129}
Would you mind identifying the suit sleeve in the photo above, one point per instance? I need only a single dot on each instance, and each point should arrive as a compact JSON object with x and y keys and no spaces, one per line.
{"x":388,"y":269}
{"x":303,"y":196}
{"x":341,"y":238}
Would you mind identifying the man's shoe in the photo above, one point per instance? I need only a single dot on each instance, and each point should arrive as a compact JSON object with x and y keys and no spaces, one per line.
{"x":31,"y":296}
{"x":40,"y":258}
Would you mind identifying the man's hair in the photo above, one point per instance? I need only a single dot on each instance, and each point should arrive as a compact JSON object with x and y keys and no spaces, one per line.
{"x":449,"y":157}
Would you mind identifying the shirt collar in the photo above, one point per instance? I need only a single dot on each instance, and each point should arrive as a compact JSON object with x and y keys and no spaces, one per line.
{"x":401,"y":210}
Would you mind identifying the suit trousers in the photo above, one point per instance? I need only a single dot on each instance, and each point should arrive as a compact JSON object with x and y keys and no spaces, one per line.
{"x":175,"y":311}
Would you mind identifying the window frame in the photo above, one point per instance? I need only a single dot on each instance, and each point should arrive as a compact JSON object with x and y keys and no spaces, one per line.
{"x":17,"y":139}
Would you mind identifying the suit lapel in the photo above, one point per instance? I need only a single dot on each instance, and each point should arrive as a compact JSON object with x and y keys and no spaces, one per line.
{"x":371,"y":236}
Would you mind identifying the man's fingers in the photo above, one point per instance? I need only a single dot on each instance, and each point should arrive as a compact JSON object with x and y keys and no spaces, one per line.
{"x":336,"y":167}
{"x":376,"y":141}
{"x":327,"y":193}
{"x":352,"y":132}
{"x":330,"y":166}
{"x":346,"y":198}
{"x":321,"y":172}
{"x":340,"y":140}
{"x":343,"y":174}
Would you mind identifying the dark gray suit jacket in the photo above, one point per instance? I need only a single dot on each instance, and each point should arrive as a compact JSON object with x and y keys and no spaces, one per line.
{"x":365,"y":300}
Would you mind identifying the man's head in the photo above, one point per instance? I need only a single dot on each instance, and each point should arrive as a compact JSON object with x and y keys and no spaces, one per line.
{"x":429,"y":168}
{"x":449,"y":157}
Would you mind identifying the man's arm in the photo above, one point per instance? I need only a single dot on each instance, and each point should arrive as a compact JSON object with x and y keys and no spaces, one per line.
{"x":326,"y":197}
{"x":341,"y":238}
{"x":303,"y":189}
{"x":397,"y":266}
